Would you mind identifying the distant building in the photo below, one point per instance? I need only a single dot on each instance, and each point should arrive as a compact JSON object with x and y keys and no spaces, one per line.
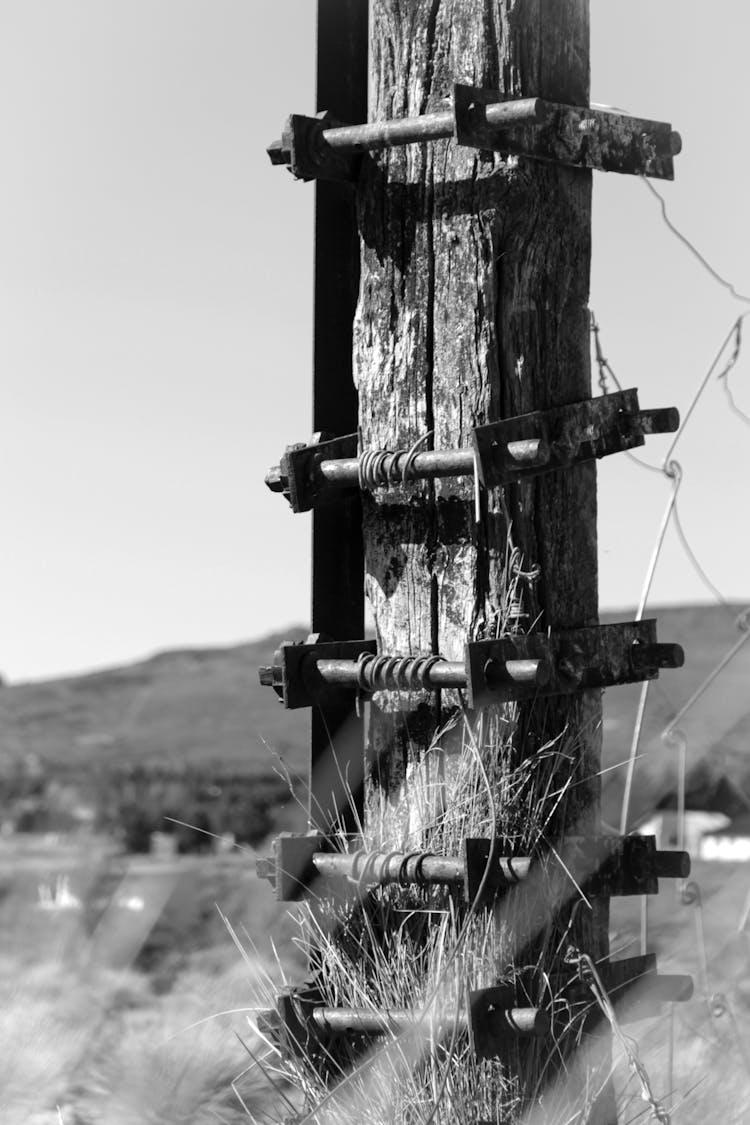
{"x":730,"y":842}
{"x":710,"y":809}
{"x":664,"y":825}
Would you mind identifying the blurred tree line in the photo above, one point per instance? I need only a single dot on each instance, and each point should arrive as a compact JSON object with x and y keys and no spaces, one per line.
{"x":131,"y":801}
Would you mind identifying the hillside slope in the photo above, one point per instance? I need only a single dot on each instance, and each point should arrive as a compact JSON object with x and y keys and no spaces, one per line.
{"x":713,"y":726}
{"x":205,"y":706}
{"x":177,"y":708}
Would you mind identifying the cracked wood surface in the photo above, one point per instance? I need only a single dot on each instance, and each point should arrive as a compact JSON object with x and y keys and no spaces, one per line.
{"x":473,"y":307}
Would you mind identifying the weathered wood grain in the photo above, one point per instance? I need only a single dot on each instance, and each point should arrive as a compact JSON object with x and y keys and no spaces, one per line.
{"x":473,"y":307}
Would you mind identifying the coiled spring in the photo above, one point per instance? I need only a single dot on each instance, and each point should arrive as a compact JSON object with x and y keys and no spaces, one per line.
{"x":394,"y":673}
{"x":378,"y":468}
{"x":372,"y":868}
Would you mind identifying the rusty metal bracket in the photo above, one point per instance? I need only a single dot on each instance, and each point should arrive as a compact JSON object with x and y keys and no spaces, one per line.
{"x":577,"y":659}
{"x":510,"y":451}
{"x":617,"y":866}
{"x":291,"y":868}
{"x":579,"y":136}
{"x":303,"y":1026}
{"x":290,"y":1022}
{"x":298,"y":476}
{"x":576,"y":136}
{"x":297,"y":861}
{"x":581,"y":431}
{"x":604,"y":866}
{"x":296,"y":677}
{"x":304,"y":149}
{"x":518,"y":667}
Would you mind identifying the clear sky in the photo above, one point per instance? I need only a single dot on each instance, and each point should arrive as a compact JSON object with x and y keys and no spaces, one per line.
{"x":151,"y":370}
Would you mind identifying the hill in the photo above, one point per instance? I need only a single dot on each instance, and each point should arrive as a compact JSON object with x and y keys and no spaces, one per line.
{"x":717,"y":727}
{"x":205,"y":708}
{"x":179,"y":708}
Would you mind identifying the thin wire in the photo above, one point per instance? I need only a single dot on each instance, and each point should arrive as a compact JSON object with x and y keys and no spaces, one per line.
{"x":675,"y":472}
{"x":743,"y":624}
{"x":590,"y":976}
{"x":604,"y":371}
{"x":672,"y":469}
{"x":691,"y":896}
{"x":668,"y":466}
{"x":725,"y":371}
{"x":724,"y":375}
{"x":696,"y":565}
{"x":689,"y":245}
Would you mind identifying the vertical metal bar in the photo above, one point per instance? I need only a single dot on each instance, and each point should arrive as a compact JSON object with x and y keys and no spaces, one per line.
{"x":337,"y":737}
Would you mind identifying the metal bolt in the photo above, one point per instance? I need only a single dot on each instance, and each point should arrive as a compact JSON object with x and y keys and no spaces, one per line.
{"x":265,"y":868}
{"x":275,"y":480}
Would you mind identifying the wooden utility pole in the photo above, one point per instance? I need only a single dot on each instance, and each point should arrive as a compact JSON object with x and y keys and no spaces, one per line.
{"x":474,"y":307}
{"x":472,"y":311}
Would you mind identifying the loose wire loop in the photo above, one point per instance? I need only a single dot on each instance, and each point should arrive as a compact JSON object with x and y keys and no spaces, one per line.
{"x":589,"y":975}
{"x":379,"y":468}
{"x":394,"y":673}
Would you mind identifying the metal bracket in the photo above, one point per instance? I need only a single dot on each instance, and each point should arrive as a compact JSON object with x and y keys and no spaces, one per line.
{"x":303,"y":148}
{"x":576,"y":136}
{"x":303,"y":1026}
{"x":296,"y":476}
{"x":496,"y":1019}
{"x":294,"y":674}
{"x":513,"y":668}
{"x":581,"y":431}
{"x":595,"y":657}
{"x":290,"y":1022}
{"x":290,"y":869}
{"x":605,"y":866}
{"x":617,"y":866}
{"x":513,"y":450}
{"x":572,"y":135}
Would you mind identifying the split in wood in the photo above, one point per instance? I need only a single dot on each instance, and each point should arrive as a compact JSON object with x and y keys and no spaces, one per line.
{"x":604,"y":866}
{"x":506,"y":452}
{"x":518,"y":667}
{"x":579,"y":136}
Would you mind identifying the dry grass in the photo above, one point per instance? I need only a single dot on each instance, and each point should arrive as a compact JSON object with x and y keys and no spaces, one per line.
{"x":99,"y":1043}
{"x":396,"y":947}
{"x":85,"y":1039}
